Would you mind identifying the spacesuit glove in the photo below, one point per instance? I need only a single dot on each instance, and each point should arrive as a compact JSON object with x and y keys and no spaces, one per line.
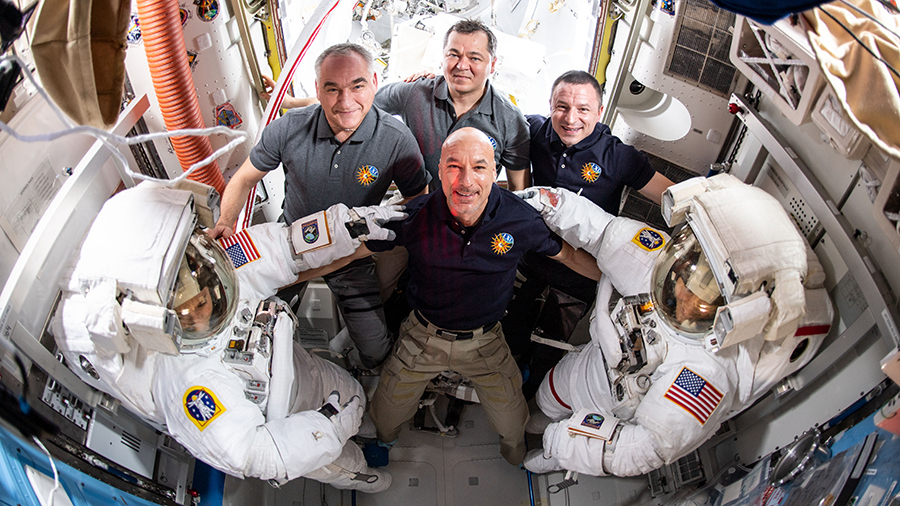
{"x":396,"y":199}
{"x":346,"y":418}
{"x":542,"y":198}
{"x":375,"y":217}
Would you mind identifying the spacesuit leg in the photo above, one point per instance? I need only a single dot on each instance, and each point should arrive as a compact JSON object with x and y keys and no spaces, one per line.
{"x":350,"y":472}
{"x":553,"y":397}
{"x":359,"y":299}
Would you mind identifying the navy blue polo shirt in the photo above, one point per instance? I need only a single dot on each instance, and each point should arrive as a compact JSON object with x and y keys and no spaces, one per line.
{"x":600,"y":165}
{"x":463,"y":278}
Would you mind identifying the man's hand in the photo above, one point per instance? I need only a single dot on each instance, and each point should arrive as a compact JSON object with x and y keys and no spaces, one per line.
{"x":375,"y":217}
{"x":269,"y":87}
{"x":220,"y":231}
{"x":427,"y":74}
{"x":541,"y":198}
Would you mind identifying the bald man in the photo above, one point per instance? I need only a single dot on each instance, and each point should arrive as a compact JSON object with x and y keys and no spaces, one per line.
{"x":464,"y":244}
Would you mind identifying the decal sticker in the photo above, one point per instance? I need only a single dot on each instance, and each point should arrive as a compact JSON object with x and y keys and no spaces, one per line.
{"x":185,"y":14}
{"x":207,"y":10}
{"x":667,"y":6}
{"x":772,"y":496}
{"x":201,"y":406}
{"x":592,"y":420}
{"x":590,"y":172}
{"x":240,"y":249}
{"x":366,"y":175}
{"x":192,"y":59}
{"x":649,"y":239}
{"x":502,"y":243}
{"x":133,"y":36}
{"x":313,"y":233}
{"x":694,"y":394}
{"x":226,"y":115}
{"x":310,"y":231}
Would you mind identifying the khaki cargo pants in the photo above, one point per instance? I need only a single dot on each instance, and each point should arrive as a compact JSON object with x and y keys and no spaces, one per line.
{"x":420,"y":354}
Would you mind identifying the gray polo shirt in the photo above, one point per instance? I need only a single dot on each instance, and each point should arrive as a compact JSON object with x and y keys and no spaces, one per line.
{"x":425,"y":107}
{"x":320,"y":171}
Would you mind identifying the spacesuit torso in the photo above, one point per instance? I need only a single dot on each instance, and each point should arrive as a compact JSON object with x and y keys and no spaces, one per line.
{"x":668,"y":392}
{"x":245,"y":400}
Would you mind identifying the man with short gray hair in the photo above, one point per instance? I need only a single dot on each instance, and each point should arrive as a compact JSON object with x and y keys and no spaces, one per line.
{"x":342,"y":150}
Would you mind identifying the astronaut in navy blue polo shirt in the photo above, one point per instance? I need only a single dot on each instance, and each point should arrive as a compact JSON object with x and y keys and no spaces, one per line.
{"x":571,"y":149}
{"x":464,"y":244}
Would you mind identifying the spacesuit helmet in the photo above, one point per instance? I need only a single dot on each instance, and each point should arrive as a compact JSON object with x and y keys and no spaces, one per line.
{"x":206,"y":290}
{"x":684,"y":291}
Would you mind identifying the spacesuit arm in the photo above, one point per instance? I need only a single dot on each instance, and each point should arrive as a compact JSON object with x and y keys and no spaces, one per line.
{"x":207,"y":412}
{"x":347,"y":229}
{"x":270,"y":255}
{"x":576,"y":219}
{"x":661,"y":432}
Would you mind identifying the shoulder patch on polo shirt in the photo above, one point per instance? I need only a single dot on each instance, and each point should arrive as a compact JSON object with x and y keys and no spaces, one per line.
{"x":366,"y":175}
{"x":201,"y":406}
{"x":502,"y":243}
{"x":590,"y":172}
{"x":649,"y":239}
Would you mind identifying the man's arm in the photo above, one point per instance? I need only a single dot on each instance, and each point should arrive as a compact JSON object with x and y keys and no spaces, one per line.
{"x":654,"y":189}
{"x":515,"y":157}
{"x":518,"y":179}
{"x":361,"y":252}
{"x":288,"y":102}
{"x":391,"y":98}
{"x":235,"y":196}
{"x":404,"y":200}
{"x":579,"y":261}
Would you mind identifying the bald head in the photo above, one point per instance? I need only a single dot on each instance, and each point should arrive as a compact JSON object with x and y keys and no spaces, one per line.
{"x":467,"y":171}
{"x":469,"y":136}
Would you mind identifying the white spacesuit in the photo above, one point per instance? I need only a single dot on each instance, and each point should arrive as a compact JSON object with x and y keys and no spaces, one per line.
{"x":178,"y":329}
{"x":710,"y":320}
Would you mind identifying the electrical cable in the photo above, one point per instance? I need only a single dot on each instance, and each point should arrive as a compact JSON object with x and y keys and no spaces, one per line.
{"x":868,"y":15}
{"x":107,"y":138}
{"x":52,"y":466}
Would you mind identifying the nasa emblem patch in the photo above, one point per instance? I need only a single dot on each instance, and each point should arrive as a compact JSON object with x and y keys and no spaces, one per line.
{"x":201,"y":406}
{"x":502,"y":243}
{"x":649,"y":239}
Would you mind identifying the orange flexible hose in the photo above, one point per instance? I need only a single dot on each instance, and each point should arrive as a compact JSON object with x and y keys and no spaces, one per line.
{"x":174,"y":86}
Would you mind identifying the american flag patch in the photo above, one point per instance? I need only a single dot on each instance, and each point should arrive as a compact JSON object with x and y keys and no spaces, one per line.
{"x":694,"y":394}
{"x":240,"y":249}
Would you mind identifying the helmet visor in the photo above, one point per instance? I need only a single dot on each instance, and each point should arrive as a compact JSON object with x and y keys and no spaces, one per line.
{"x":205,"y":291}
{"x":685,"y":292}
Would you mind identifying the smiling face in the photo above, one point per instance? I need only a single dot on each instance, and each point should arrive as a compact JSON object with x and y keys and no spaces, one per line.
{"x":467,"y":62}
{"x":575,"y":111}
{"x":467,"y":172}
{"x":346,"y":89}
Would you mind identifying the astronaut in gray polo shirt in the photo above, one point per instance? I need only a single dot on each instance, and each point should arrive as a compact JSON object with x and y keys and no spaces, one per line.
{"x":433,"y":108}
{"x":346,"y":151}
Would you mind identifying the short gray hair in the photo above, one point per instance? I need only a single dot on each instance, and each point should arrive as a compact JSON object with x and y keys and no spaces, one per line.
{"x":346,"y":49}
